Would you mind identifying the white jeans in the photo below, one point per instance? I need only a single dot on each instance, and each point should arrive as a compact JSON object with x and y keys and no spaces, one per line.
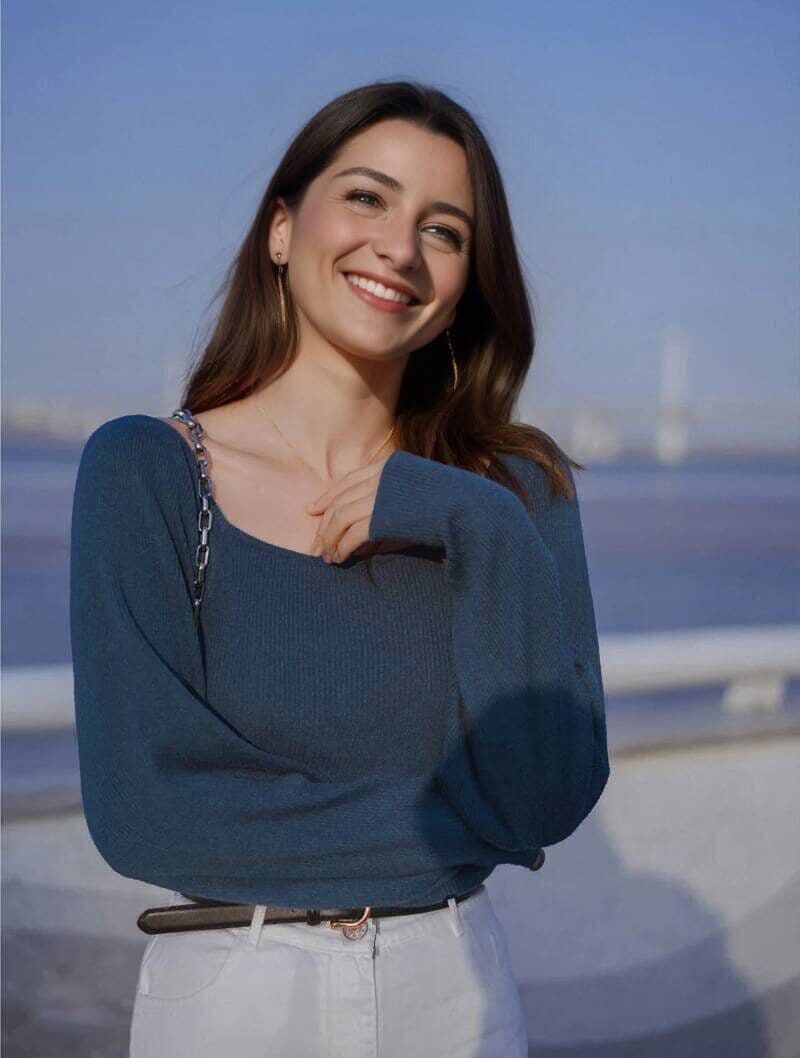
{"x":414,"y":986}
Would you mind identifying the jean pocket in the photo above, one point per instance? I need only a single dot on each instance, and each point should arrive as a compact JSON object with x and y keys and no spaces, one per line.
{"x":498,"y":943}
{"x":181,"y":966}
{"x":497,"y":940}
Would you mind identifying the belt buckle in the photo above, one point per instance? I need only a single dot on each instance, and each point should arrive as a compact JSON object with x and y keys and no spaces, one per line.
{"x":352,"y":928}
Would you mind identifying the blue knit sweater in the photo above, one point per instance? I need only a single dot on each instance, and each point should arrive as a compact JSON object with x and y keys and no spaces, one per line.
{"x":331,"y":735}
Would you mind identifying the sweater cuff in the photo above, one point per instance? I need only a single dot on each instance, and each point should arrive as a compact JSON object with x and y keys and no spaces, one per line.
{"x":415,"y":498}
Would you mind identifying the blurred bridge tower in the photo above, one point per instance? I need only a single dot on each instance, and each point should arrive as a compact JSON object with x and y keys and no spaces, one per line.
{"x":672,"y":423}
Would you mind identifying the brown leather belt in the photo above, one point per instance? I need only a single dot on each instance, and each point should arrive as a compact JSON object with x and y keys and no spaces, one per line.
{"x":203,"y":913}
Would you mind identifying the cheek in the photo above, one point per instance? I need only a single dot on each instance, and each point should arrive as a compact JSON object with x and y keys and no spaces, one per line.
{"x":450,"y":280}
{"x":337,"y":231}
{"x":316,"y":249}
{"x":319,"y":233}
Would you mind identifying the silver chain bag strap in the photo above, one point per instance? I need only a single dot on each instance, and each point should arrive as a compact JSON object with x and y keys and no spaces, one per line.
{"x":205,"y":514}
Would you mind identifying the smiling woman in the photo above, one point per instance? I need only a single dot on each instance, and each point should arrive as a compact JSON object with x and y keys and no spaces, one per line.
{"x":403,"y":246}
{"x":348,"y":663}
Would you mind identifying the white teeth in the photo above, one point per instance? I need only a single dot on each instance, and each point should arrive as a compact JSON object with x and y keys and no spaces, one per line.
{"x":377,"y":288}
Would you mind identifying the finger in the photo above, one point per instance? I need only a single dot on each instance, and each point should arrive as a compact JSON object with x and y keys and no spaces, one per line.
{"x":352,"y":503}
{"x":350,"y":540}
{"x":353,"y":477}
{"x":338,"y":519}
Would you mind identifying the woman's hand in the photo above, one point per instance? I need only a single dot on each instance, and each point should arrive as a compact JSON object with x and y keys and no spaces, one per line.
{"x":345,"y":510}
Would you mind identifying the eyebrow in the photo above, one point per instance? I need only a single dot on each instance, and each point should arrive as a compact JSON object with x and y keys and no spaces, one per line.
{"x":395,"y":185}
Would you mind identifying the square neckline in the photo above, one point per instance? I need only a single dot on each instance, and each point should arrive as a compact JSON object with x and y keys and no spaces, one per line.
{"x":256,"y":542}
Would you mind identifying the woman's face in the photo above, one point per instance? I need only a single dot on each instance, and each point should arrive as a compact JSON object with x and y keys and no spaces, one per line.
{"x":408,"y":224}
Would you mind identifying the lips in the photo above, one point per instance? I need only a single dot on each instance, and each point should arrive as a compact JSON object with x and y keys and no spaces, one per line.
{"x":386,"y":305}
{"x":391,"y":284}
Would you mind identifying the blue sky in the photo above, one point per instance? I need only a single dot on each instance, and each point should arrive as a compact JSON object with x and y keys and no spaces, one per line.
{"x":650,"y":155}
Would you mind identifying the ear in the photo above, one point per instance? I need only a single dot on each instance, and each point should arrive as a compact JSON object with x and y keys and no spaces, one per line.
{"x":280,"y":230}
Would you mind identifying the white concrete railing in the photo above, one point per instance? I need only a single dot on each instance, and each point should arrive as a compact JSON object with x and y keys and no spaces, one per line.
{"x":37,"y":698}
{"x":753,"y":665}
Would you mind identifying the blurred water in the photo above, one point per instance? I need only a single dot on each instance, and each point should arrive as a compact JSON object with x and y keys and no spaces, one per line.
{"x":711,"y":542}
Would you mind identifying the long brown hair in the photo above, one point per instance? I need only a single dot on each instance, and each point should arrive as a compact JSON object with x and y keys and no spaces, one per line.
{"x":493,"y":333}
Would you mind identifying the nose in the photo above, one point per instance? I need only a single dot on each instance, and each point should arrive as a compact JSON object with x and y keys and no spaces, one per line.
{"x":397,"y":241}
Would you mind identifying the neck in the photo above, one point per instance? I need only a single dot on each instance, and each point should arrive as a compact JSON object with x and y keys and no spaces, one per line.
{"x":333,"y":423}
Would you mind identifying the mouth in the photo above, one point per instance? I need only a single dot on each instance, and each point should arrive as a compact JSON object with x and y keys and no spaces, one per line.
{"x":380,"y":295}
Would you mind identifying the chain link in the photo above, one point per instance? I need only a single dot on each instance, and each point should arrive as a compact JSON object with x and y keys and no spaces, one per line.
{"x":205,"y":515}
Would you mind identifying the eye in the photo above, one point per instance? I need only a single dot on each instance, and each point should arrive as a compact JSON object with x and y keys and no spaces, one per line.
{"x":451,"y":236}
{"x":353,"y":195}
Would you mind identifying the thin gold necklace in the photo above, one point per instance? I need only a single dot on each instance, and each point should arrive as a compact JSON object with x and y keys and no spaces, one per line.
{"x":372,"y":454}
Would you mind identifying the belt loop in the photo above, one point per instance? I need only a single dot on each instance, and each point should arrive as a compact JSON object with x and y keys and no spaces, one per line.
{"x":455,"y":916}
{"x":256,"y":922}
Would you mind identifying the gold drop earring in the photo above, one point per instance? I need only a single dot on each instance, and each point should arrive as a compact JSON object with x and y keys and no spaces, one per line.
{"x":281,"y":294}
{"x":452,"y":360}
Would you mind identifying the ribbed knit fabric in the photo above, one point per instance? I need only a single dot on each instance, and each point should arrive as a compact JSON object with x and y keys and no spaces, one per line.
{"x":334,"y":734}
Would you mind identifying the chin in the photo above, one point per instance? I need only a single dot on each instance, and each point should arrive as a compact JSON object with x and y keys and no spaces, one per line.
{"x":364,"y":349}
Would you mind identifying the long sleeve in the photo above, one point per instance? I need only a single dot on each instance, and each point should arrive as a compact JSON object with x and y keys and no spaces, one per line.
{"x":524,"y":642}
{"x":172,"y":793}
